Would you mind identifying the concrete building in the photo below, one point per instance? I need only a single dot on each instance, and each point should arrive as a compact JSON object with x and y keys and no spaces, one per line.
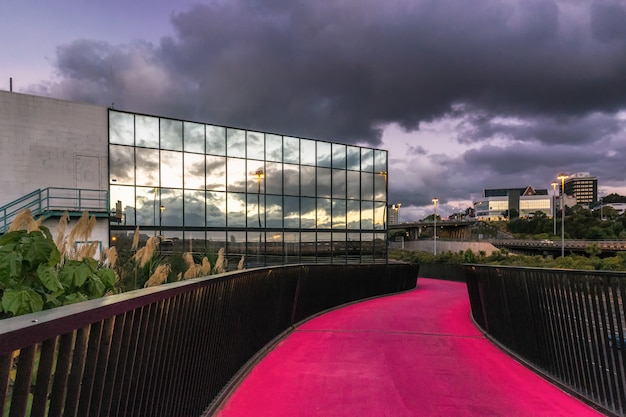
{"x":394,"y":213}
{"x":509,"y":203}
{"x":272,"y":198}
{"x":583,"y":186}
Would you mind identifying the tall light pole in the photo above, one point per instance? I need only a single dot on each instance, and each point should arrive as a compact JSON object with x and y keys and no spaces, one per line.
{"x":554,"y":184}
{"x":259,"y":174}
{"x":435,"y":200}
{"x":562,"y":177}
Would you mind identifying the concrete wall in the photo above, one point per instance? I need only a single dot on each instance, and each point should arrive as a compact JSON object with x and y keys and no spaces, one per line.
{"x":46,"y":142}
{"x":444,"y":246}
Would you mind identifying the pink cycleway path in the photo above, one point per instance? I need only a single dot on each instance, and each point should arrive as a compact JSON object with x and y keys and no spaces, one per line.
{"x":411,"y":354}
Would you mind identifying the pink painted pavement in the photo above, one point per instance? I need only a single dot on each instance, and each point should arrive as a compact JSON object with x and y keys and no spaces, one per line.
{"x":411,"y":354}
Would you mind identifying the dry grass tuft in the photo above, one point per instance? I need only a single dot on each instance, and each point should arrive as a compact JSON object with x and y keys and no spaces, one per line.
{"x":109,"y":257}
{"x":145,"y":254}
{"x":24,"y":221}
{"x":135,"y":244}
{"x":241,"y":263}
{"x":220,"y":264}
{"x":188,"y":257}
{"x":159,"y":276}
{"x":87,"y":250}
{"x":61,"y":228}
{"x":206,"y":266}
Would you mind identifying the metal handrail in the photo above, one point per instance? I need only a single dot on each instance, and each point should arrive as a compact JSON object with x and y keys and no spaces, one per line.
{"x":43,"y":202}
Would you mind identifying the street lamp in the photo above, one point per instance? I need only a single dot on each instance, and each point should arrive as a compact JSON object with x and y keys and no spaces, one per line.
{"x":435,"y":200}
{"x":554,"y":184}
{"x":562,"y":177}
{"x":384,"y":175}
{"x":259,"y":174}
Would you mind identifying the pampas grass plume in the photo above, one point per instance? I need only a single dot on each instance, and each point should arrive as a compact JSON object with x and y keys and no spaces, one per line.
{"x":159,"y":276}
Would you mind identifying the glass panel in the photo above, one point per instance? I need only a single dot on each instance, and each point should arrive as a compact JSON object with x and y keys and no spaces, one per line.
{"x":367,"y":160}
{"x":176,"y":245}
{"x":291,"y":150}
{"x":147,"y":203}
{"x":354,"y":158}
{"x":323,"y":154}
{"x":215,"y":209}
{"x":292,"y":212}
{"x":324,"y":220}
{"x":236,"y":142}
{"x":307,"y":208}
{"x":339,"y":156}
{"x":379,"y":215}
{"x":256,"y":147}
{"x":273,"y":178}
{"x":323,"y":247}
{"x":126,"y":195}
{"x":323,"y":182}
{"x":256,"y":210}
{"x":367,"y":215}
{"x":121,"y":128}
{"x":339,"y":247}
{"x":353,"y":215}
{"x":194,"y":171}
{"x":291,"y":247}
{"x":194,"y":208}
{"x":195,"y":242}
{"x":367,"y":186}
{"x":236,"y":174}
{"x":339,"y":183}
{"x":274,"y":211}
{"x":273,"y":147}
{"x":121,"y":165}
{"x":171,"y":134}
{"x":307,"y":247}
{"x":307,"y":177}
{"x":380,"y":247}
{"x":171,"y":169}
{"x":171,"y":207}
{"x":307,"y":152}
{"x":255,"y":250}
{"x":147,"y":131}
{"x":274,"y":248}
{"x":215,"y":140}
{"x":339,"y":214}
{"x":380,"y":161}
{"x":147,"y":167}
{"x":235,"y":248}
{"x":354,"y":247}
{"x":367,"y":247}
{"x":215,"y":173}
{"x":215,"y":241}
{"x":122,"y":239}
{"x":236,"y":203}
{"x":256,"y":177}
{"x":353,"y":188}
{"x":194,"y":137}
{"x":291,"y":179}
{"x":380,"y":181}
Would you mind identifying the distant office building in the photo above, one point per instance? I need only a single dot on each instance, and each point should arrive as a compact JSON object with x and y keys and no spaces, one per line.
{"x":394,"y":213}
{"x":583,"y":186}
{"x":509,"y":203}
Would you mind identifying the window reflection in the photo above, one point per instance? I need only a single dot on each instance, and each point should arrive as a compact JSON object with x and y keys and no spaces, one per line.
{"x":353,"y":185}
{"x":339,"y":183}
{"x":367,"y":160}
{"x":171,"y":134}
{"x":323,"y":154}
{"x":121,"y":165}
{"x":307,"y":177}
{"x":171,"y":169}
{"x":236,"y":174}
{"x":147,"y":203}
{"x":236,"y":140}
{"x":291,"y":147}
{"x":215,"y":140}
{"x":256,"y":177}
{"x":121,"y":128}
{"x":194,"y":171}
{"x":255,"y":210}
{"x":367,"y":186}
{"x":274,"y":147}
{"x":171,"y":207}
{"x":215,"y":173}
{"x":194,"y":137}
{"x":194,"y":208}
{"x":380,"y":181}
{"x":292,"y":212}
{"x":274,"y":211}
{"x":307,"y":152}
{"x":353,"y":215}
{"x":256,"y":146}
{"x":339,"y":214}
{"x":367,"y":215}
{"x":236,"y":204}
{"x":339,"y":155}
{"x":323,"y":182}
{"x":147,"y":166}
{"x":324,"y":219}
{"x":307,"y":210}
{"x":380,"y":161}
{"x":354,"y":158}
{"x":215,"y":209}
{"x":147,"y":131}
{"x":379,"y":215}
{"x":291,"y":179}
{"x":273,"y":178}
{"x":126,"y":196}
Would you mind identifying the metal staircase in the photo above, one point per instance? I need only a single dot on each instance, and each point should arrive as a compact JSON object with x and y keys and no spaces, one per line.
{"x":54,"y":201}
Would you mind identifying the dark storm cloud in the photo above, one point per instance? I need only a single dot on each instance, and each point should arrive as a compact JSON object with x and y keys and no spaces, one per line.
{"x":341,"y":70}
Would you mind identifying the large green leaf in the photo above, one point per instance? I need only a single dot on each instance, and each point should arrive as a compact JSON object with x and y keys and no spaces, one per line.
{"x":48,"y":276}
{"x":107,"y":276}
{"x":95,"y":287}
{"x":39,"y":250}
{"x":12,"y":237}
{"x":74,"y":274}
{"x":74,"y":298}
{"x":10,"y":262}
{"x":21,"y":301}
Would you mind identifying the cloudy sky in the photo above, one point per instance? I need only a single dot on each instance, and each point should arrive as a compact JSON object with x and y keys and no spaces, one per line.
{"x":465,"y":95}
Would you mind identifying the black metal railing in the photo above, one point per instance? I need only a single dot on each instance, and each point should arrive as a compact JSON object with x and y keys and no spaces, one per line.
{"x":169,"y":350}
{"x":568,"y":325}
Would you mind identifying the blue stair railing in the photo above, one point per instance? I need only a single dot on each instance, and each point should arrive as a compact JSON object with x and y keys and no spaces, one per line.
{"x":53,"y":201}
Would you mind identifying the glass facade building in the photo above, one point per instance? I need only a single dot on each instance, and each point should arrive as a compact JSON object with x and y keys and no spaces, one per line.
{"x":274,"y":199}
